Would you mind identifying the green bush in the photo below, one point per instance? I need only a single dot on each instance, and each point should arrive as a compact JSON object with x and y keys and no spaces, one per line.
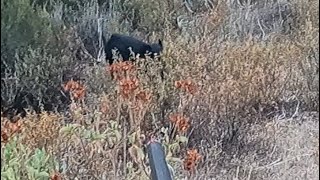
{"x":19,"y":162}
{"x":35,"y":53}
{"x":22,"y":26}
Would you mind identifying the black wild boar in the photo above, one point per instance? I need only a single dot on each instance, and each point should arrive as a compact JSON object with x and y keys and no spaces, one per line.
{"x":122,"y":43}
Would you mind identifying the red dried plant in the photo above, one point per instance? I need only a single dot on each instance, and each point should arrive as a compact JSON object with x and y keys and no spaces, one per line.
{"x":181,"y":122}
{"x":191,"y":160}
{"x":128,"y":86}
{"x":143,"y":96}
{"x":76,"y":90}
{"x":9,"y":129}
{"x":4,"y":136}
{"x":186,"y":85}
{"x":55,"y":176}
{"x":119,"y":69}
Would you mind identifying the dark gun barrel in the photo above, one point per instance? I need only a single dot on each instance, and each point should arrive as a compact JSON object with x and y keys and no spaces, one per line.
{"x":158,"y":164}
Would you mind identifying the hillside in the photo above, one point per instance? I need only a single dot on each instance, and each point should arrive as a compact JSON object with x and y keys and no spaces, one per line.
{"x":236,"y":86}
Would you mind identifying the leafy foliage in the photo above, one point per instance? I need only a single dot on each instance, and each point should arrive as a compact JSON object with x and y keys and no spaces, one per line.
{"x":20,"y":161}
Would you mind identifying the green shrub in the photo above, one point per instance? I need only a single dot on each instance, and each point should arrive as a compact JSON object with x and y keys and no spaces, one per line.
{"x":19,"y":162}
{"x":22,"y":26}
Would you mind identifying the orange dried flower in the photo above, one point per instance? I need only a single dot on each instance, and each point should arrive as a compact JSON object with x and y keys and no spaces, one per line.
{"x":128,"y":86}
{"x":15,"y":127}
{"x":121,"y":68}
{"x":4,"y":136}
{"x":191,"y":160}
{"x":143,"y":96}
{"x":186,"y":85}
{"x":181,"y":122}
{"x":55,"y":176}
{"x":9,"y":129}
{"x":114,"y":68}
{"x":127,"y":66}
{"x":71,"y":85}
{"x":77,"y":90}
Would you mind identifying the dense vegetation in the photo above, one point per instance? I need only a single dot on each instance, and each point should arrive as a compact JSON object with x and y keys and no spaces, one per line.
{"x":239,"y":98}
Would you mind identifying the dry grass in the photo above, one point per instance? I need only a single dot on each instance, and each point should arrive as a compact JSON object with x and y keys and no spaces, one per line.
{"x":284,"y":148}
{"x":247,"y":105}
